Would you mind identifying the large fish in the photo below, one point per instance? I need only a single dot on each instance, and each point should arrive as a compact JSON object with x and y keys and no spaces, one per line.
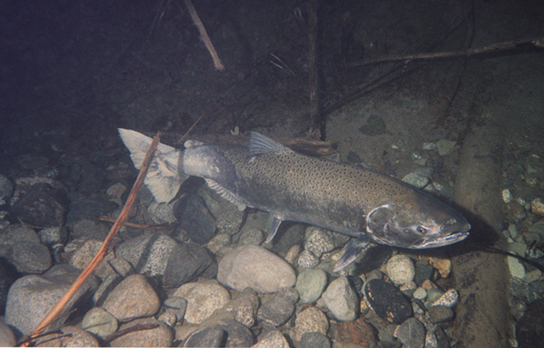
{"x":266,"y":175}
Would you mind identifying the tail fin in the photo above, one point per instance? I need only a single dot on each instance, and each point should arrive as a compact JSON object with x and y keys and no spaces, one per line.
{"x":163,"y":178}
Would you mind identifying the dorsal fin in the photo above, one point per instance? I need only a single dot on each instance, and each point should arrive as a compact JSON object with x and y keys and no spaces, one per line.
{"x":260,"y":144}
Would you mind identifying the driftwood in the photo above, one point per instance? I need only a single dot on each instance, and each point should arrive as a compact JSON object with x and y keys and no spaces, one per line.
{"x":204,"y":35}
{"x":57,"y":309}
{"x":495,"y":49}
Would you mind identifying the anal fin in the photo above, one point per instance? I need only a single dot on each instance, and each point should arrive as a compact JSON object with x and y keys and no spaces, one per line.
{"x":226,"y":194}
{"x":352,"y":250}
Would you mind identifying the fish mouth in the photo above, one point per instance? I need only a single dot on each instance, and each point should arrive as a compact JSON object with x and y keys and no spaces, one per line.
{"x":440,"y":241}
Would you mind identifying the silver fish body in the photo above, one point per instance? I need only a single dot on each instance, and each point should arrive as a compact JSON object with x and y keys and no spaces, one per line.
{"x":291,"y":186}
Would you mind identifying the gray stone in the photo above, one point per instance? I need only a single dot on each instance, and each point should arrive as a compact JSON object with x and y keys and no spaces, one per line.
{"x":30,"y":258}
{"x":85,"y":208}
{"x":7,"y":337}
{"x":516,"y":267}
{"x":251,"y":236}
{"x":31,"y":297}
{"x":18,"y":233}
{"x":310,"y":285}
{"x":424,"y":271}
{"x":218,"y":242}
{"x":162,"y":213}
{"x":245,"y":307}
{"x":99,"y":322}
{"x":88,"y":229}
{"x":307,"y":259}
{"x":176,"y":305}
{"x":318,"y":240}
{"x":53,"y":235}
{"x":400,"y":269}
{"x":160,"y":336}
{"x":310,"y":320}
{"x":238,"y":335}
{"x":207,"y":337}
{"x":168,"y":318}
{"x":148,"y":253}
{"x":133,"y":298}
{"x":6,"y":189}
{"x":68,"y":336}
{"x":255,"y":267}
{"x":445,"y":146}
{"x":341,"y":300}
{"x":40,"y":205}
{"x":411,"y":333}
{"x":279,"y":307}
{"x":440,"y":314}
{"x":448,"y":299}
{"x":314,"y":340}
{"x":228,"y":218}
{"x":83,"y":256}
{"x":420,"y":294}
{"x":272,"y":339}
{"x":188,"y":261}
{"x":203,"y":298}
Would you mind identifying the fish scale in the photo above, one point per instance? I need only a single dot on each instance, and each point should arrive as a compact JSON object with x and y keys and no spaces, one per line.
{"x":370,"y":206}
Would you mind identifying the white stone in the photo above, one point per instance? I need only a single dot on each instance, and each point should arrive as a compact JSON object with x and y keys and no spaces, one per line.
{"x":507,"y":196}
{"x":516,"y":267}
{"x":400,"y":269}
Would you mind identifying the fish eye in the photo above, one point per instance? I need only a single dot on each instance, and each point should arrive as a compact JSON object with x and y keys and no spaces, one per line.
{"x":421,"y":229}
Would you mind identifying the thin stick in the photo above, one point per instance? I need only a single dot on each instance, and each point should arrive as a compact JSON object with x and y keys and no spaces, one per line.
{"x":56,"y":310}
{"x":496,"y":48}
{"x":204,"y":35}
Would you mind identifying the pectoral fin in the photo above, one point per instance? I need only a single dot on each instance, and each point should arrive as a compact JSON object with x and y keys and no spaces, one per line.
{"x":226,"y":194}
{"x":352,"y":250}
{"x":273,"y":228}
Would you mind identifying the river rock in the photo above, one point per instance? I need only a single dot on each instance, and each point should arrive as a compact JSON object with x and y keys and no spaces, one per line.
{"x":160,"y":336}
{"x":251,"y":236}
{"x":6,"y":189}
{"x":31,"y":297}
{"x":39,"y":205}
{"x":69,"y":336}
{"x":7,"y":337}
{"x":99,"y":322}
{"x":279,"y":307}
{"x":411,"y":333}
{"x":30,"y":258}
{"x":318,"y":240}
{"x":188,"y":261}
{"x":245,"y":307}
{"x":176,"y":305}
{"x":83,"y":256}
{"x":357,"y":332}
{"x":440,"y":314}
{"x":148,"y":253}
{"x":310,"y":285}
{"x":341,"y":299}
{"x":310,"y":320}
{"x":307,"y":259}
{"x":203,"y":298}
{"x":88,"y":229}
{"x":254,"y":266}
{"x":314,"y":340}
{"x":273,"y":339}
{"x":53,"y":235}
{"x":238,"y":335}
{"x":18,"y":233}
{"x":195,"y":218}
{"x":133,"y":298}
{"x":207,"y":337}
{"x":448,"y":299}
{"x":387,"y":301}
{"x":228,"y":218}
{"x":400,"y":269}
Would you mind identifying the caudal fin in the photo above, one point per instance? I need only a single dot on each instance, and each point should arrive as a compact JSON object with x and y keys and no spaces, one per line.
{"x":163,"y":177}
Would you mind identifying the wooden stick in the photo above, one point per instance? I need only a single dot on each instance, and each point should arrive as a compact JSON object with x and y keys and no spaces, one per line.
{"x":57,"y":309}
{"x":204,"y":35}
{"x":316,"y":122}
{"x":501,"y":47}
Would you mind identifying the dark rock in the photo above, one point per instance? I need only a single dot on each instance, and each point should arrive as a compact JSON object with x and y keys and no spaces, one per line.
{"x":41,"y":206}
{"x":277,"y":309}
{"x":440,"y":314}
{"x":411,"y":333}
{"x":530,"y":328}
{"x":188,"y":261}
{"x":195,"y":218}
{"x":8,"y":275}
{"x":238,"y":334}
{"x":7,"y":337}
{"x":88,"y":229}
{"x":207,"y":337}
{"x":374,"y":126}
{"x":53,"y":235}
{"x":68,"y":336}
{"x":245,"y":307}
{"x":30,"y":258}
{"x":286,"y":237}
{"x":147,"y":253}
{"x":387,"y":301}
{"x":424,"y":271}
{"x":18,"y":233}
{"x":315,"y":340}
{"x":86,"y":208}
{"x":357,"y":332}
